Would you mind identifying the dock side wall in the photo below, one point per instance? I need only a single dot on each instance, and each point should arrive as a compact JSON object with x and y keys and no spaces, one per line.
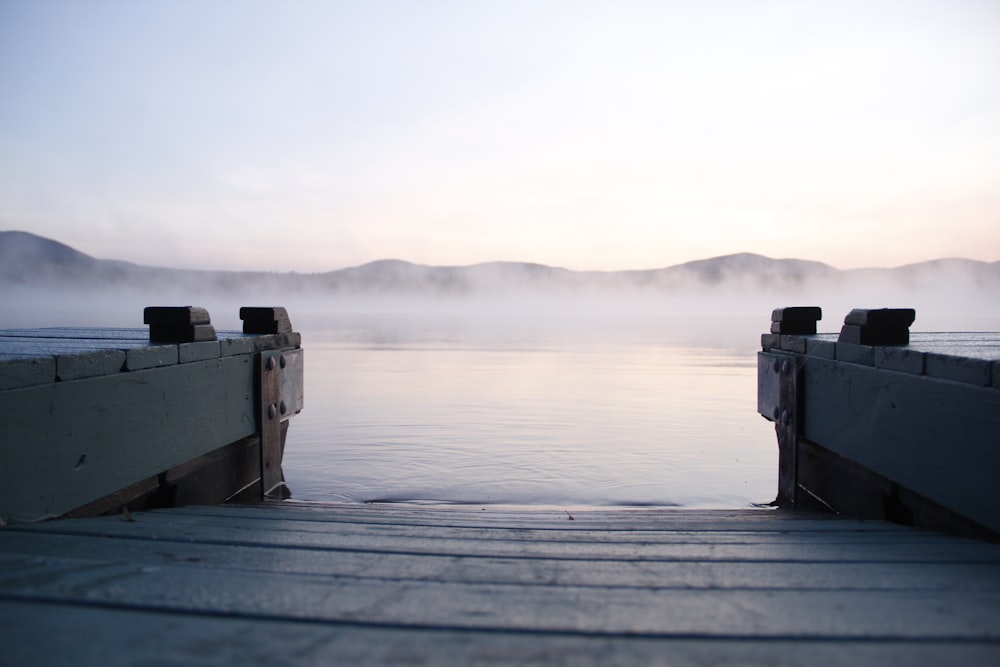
{"x":935,"y":437}
{"x":66,"y":443}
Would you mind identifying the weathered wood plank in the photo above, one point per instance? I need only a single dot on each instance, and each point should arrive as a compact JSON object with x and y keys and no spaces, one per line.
{"x":81,"y":453}
{"x":822,"y":575}
{"x":902,"y":359}
{"x":231,"y":529}
{"x":103,"y":333}
{"x":608,"y":610}
{"x":29,"y":341}
{"x":853,"y":353}
{"x":107,"y":637}
{"x":199,"y":351}
{"x":964,"y":368}
{"x":932,"y":436}
{"x":971,"y":345}
{"x":525,"y":545}
{"x":150,"y":356}
{"x":79,"y":358}
{"x":577,"y":531}
{"x":77,"y":366}
{"x":53,"y":346}
{"x":766,"y":520}
{"x":975,"y":345}
{"x":18,"y":371}
{"x":291,"y":567}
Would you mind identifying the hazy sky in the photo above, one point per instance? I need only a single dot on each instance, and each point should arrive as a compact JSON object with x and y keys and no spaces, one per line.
{"x":592,"y":135}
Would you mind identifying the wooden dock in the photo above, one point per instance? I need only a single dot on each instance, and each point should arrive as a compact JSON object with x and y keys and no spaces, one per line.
{"x":129,"y":420}
{"x":874,"y":422}
{"x":96,"y":420}
{"x":287,"y":583}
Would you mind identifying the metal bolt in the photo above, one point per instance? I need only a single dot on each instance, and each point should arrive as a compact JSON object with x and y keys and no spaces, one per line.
{"x":784,"y":367}
{"x":785,"y":418}
{"x":281,"y":360}
{"x":270,"y":363}
{"x":775,"y":366}
{"x":271,"y":411}
{"x":283,"y":408}
{"x":776,"y":413}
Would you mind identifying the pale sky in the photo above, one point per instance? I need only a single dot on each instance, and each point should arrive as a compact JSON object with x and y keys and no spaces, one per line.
{"x":310,"y":136}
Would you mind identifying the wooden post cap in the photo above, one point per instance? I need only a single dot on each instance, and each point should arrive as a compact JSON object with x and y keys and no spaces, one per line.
{"x":797,"y":314}
{"x":175,"y":315}
{"x":881,"y":326}
{"x":881,"y":318}
{"x":178,"y":324}
{"x":796,"y":320}
{"x":268,"y":313}
{"x":265,"y":320}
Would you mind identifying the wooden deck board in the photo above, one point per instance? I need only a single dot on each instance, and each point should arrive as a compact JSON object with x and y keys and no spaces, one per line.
{"x":391,"y":584}
{"x":671,"y":547}
{"x":112,"y":637}
{"x":945,"y":576}
{"x":34,"y":356}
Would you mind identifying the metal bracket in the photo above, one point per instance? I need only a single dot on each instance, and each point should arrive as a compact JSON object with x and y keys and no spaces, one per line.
{"x":281,"y":380}
{"x":290,"y":362}
{"x":778,"y":401}
{"x":270,"y":422}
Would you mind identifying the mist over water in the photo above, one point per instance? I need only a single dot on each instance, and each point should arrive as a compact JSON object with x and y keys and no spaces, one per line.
{"x":946,"y":298}
{"x":563,"y":399}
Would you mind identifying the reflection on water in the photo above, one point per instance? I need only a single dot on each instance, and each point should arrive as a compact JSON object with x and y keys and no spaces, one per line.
{"x":408,"y":413}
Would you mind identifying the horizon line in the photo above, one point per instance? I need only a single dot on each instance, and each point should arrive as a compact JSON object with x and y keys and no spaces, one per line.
{"x":513,"y":262}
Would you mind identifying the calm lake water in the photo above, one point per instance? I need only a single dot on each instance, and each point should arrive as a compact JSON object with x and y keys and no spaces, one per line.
{"x":556,"y":402}
{"x":555,"y":412}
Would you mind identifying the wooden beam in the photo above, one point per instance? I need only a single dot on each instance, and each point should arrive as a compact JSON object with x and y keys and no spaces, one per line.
{"x":69,"y":443}
{"x":935,"y":437}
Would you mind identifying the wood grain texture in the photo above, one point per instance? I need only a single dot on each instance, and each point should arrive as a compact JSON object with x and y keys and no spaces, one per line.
{"x":935,"y":437}
{"x":73,"y":442}
{"x":18,"y":370}
{"x":495,"y":585}
{"x":109,"y":637}
{"x":91,"y":411}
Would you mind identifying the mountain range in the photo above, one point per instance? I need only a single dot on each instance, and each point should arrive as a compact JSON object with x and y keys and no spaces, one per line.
{"x":33,"y":261}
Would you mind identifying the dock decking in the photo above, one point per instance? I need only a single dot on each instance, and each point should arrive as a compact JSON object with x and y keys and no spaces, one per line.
{"x":93,"y":419}
{"x":290,"y":583}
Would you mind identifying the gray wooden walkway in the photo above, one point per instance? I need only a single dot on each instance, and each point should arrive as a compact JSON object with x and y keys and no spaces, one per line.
{"x":299,"y":584}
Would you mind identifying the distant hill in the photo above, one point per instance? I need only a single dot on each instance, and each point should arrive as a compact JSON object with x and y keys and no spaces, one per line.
{"x":26,"y":255}
{"x":30,"y":260}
